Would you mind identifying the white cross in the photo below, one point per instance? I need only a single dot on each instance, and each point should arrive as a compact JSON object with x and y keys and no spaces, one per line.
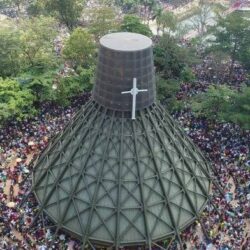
{"x":134,"y":91}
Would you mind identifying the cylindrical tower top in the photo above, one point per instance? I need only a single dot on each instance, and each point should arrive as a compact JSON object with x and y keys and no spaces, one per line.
{"x":126,"y":41}
{"x":124,"y":56}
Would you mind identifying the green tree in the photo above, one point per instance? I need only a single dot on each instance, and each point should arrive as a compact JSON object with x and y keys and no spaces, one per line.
{"x":80,"y":48}
{"x":166,"y":21}
{"x":102,"y":21}
{"x":75,"y":84}
{"x":40,"y":85}
{"x":132,"y":23}
{"x":187,"y":75}
{"x":36,"y":8}
{"x":170,"y":59}
{"x":67,"y":11}
{"x":243,"y":57}
{"x":166,"y":92}
{"x":10,"y":52}
{"x":128,"y":6}
{"x":202,"y":18}
{"x":239,"y":111}
{"x":86,"y":77}
{"x":148,"y":8}
{"x":37,"y":35}
{"x":14,"y":102}
{"x":233,"y":37}
{"x":214,"y":103}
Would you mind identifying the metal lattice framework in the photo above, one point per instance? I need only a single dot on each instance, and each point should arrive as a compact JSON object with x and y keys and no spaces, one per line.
{"x":112,"y":181}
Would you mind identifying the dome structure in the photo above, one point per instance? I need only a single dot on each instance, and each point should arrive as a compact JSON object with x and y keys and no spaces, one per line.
{"x":116,"y":181}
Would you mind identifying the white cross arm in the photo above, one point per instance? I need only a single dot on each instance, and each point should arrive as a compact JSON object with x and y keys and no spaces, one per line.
{"x":127,"y":92}
{"x":134,"y":91}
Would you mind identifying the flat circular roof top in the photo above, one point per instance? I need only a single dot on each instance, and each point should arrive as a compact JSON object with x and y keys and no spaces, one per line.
{"x":125,"y":41}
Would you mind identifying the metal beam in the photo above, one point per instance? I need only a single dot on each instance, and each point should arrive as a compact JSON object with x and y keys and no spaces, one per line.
{"x":177,"y":174}
{"x":144,"y":205}
{"x":188,"y":148}
{"x":99,"y":178}
{"x":60,"y":223}
{"x":44,"y":202}
{"x":70,"y":139}
{"x":161,"y":181}
{"x":117,"y":233}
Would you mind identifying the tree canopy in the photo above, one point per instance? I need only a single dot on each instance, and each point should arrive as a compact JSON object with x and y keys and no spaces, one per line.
{"x":102,"y":21}
{"x":133,"y":23}
{"x":14,"y":102}
{"x":67,"y":11}
{"x":10,"y":52}
{"x":224,"y":104}
{"x":166,"y":21}
{"x":239,"y":111}
{"x":80,"y":48}
{"x":37,"y":35}
{"x":214,"y":103}
{"x":233,"y":38}
{"x":170,"y":59}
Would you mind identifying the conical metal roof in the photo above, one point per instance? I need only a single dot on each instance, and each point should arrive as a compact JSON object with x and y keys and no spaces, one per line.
{"x":111,"y":180}
{"x":118,"y":181}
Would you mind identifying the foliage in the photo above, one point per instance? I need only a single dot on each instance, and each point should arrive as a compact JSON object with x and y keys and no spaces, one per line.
{"x":224,"y":104}
{"x":244,"y":55}
{"x":214,"y":103}
{"x":166,"y":88}
{"x":86,"y":78}
{"x":148,"y":9}
{"x":10,"y":54}
{"x":202,"y":18}
{"x":80,"y":48}
{"x":239,"y":111}
{"x":73,"y":85}
{"x":102,"y":21}
{"x":36,"y":8}
{"x":166,"y":92}
{"x":187,"y":75}
{"x":128,"y":6}
{"x":166,"y":21}
{"x":14,"y":101}
{"x":67,"y":11}
{"x":37,"y":35}
{"x":170,"y":59}
{"x":132,"y":23}
{"x":181,"y":30}
{"x":233,"y":38}
{"x":40,"y":85}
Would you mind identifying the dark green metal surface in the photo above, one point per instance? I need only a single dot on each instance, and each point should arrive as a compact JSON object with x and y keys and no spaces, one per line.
{"x":110,"y":180}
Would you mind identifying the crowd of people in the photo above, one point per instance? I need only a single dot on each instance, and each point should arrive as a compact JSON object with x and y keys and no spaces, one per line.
{"x":20,"y":142}
{"x":207,"y":72}
{"x":226,"y":218}
{"x":177,"y":3}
